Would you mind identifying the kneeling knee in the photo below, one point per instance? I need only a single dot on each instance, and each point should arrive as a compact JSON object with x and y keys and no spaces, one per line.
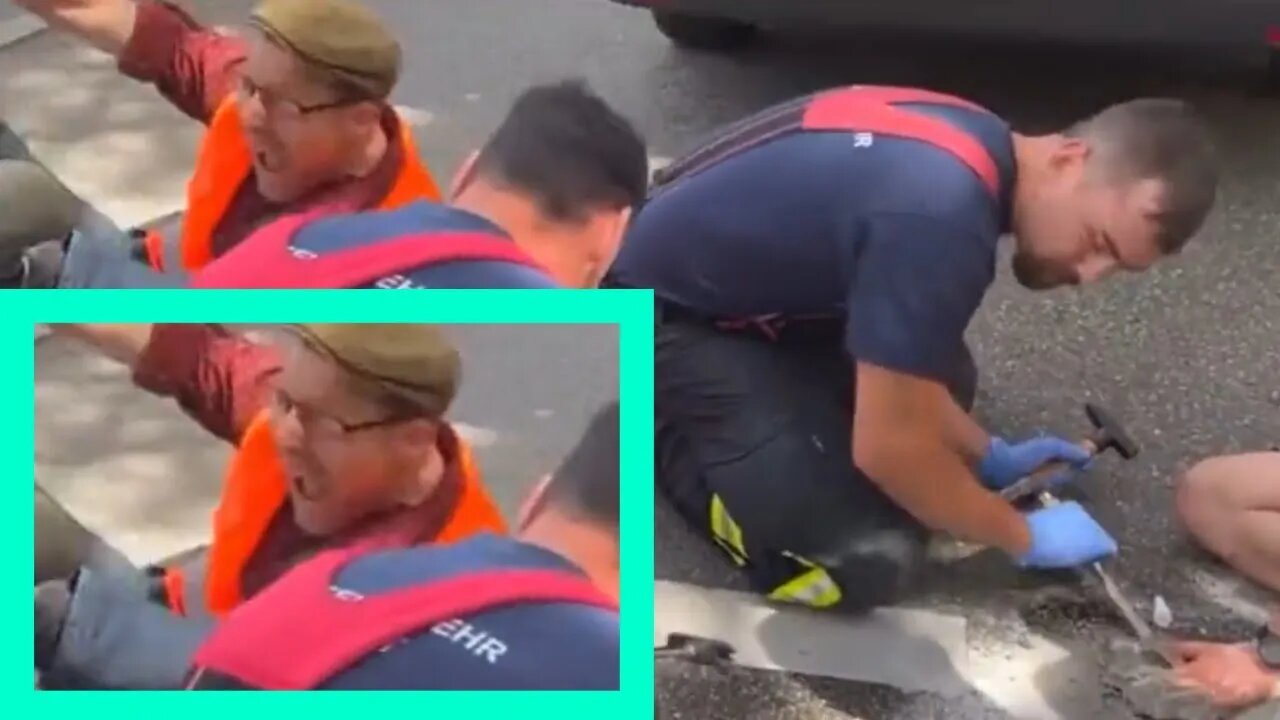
{"x":877,"y":570}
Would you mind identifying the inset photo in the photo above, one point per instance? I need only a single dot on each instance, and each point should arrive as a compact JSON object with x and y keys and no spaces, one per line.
{"x":301,"y":506}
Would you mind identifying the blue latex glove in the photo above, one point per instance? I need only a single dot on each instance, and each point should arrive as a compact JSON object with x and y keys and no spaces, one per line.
{"x":1005,"y":464}
{"x":1064,"y":536}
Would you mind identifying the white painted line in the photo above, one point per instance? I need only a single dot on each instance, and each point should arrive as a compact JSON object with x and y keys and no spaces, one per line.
{"x":20,"y":28}
{"x":914,"y":650}
{"x":1037,"y":679}
{"x":476,"y":436}
{"x":416,"y":117}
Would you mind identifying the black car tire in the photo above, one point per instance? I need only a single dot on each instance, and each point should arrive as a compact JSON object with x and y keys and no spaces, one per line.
{"x":699,"y":32}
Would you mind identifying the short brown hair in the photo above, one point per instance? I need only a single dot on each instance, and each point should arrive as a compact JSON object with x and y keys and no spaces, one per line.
{"x":1160,"y":139}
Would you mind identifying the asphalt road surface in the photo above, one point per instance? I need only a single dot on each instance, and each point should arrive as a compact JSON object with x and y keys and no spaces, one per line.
{"x":1185,"y":355}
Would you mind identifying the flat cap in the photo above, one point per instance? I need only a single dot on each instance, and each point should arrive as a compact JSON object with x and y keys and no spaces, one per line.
{"x":415,"y":362}
{"x":342,"y":37}
{"x":34,"y":207}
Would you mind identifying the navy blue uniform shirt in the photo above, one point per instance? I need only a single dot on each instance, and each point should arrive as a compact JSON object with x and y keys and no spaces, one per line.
{"x":895,"y":237}
{"x":345,"y":231}
{"x":538,"y":646}
{"x":551,"y":646}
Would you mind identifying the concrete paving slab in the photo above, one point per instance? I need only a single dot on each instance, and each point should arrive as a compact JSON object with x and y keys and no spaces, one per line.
{"x":132,"y":467}
{"x":17,"y":25}
{"x":112,"y":141}
{"x":115,"y":142}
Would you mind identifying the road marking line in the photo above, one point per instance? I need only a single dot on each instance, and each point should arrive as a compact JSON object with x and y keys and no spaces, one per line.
{"x":416,"y":117}
{"x":20,"y":28}
{"x":1037,"y":679}
{"x":910,"y":649}
{"x":476,"y":436}
{"x":915,"y":650}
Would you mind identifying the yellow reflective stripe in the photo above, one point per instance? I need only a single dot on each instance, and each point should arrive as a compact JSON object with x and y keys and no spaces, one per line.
{"x":813,"y":588}
{"x":726,"y":532}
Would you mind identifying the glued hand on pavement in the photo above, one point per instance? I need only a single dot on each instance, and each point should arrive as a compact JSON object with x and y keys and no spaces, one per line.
{"x":1231,"y":676}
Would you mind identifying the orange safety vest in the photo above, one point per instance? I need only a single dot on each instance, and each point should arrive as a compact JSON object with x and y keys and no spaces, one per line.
{"x":224,"y":162}
{"x":255,"y":489}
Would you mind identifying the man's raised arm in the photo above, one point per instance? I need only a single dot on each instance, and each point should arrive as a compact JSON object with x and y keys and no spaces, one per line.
{"x":155,"y":42}
{"x":105,"y":24}
{"x":220,"y":379}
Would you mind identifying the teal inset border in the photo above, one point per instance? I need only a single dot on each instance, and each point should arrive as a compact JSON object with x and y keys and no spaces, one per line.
{"x":632,"y":311}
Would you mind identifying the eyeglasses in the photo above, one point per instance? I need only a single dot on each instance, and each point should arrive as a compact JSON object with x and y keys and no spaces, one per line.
{"x":322,"y":425}
{"x":283,"y":108}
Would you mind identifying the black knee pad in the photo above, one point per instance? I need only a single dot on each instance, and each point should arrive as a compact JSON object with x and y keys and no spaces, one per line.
{"x":677,"y":475}
{"x":877,"y":567}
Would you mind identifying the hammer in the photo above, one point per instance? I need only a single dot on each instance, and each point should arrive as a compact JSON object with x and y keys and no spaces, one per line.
{"x":1108,"y":434}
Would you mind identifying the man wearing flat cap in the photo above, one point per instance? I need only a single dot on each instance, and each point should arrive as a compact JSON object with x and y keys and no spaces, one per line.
{"x":296,"y":106}
{"x":340,"y":439}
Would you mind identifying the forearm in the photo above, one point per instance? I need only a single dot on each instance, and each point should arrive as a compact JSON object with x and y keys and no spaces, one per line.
{"x":965,"y":435}
{"x":933,"y":484}
{"x":193,"y":67}
{"x":221,"y":380}
{"x":154,"y":42}
{"x":123,"y":343}
{"x":105,"y":24}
